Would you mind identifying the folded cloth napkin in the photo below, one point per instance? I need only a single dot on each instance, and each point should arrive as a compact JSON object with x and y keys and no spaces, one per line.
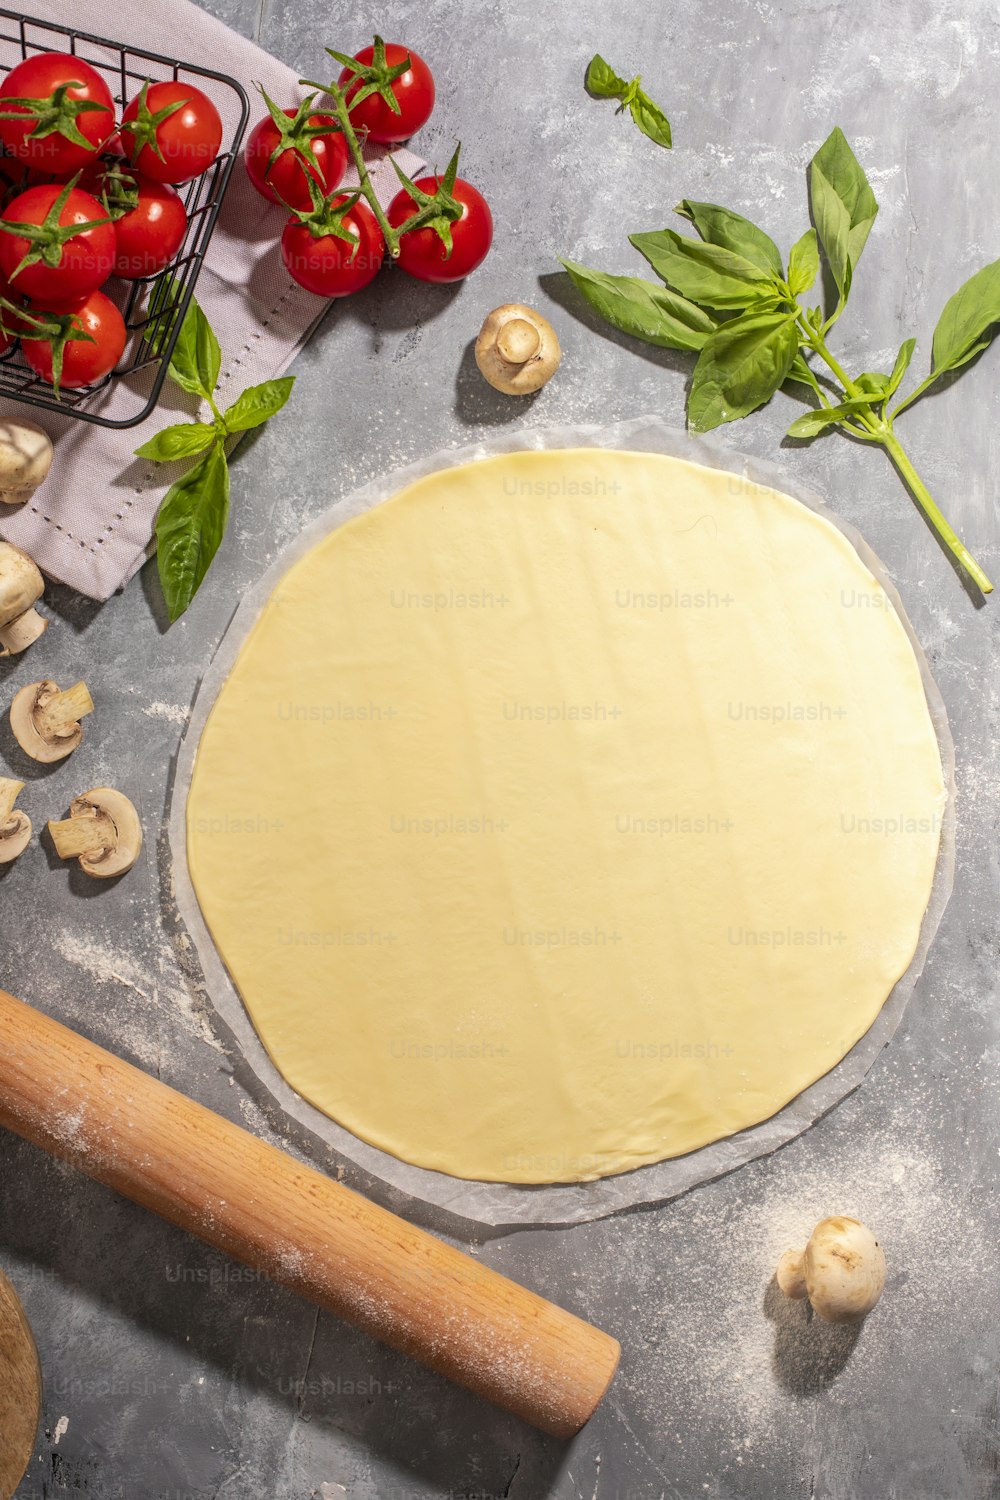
{"x":91,"y":524}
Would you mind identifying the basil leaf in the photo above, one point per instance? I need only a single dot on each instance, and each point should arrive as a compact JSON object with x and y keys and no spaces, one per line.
{"x":721,"y":226}
{"x":843,"y":207}
{"x":901,"y":366}
{"x":642,"y":309}
{"x":965,"y":326}
{"x":741,"y":367}
{"x":258,"y":403}
{"x":180,"y":441}
{"x":650,"y":119}
{"x":190,"y":525}
{"x":803,"y":264}
{"x":874,"y":384}
{"x":812,"y":422}
{"x":602,"y":81}
{"x":197,"y":358}
{"x":799,"y":371}
{"x":710,"y":275}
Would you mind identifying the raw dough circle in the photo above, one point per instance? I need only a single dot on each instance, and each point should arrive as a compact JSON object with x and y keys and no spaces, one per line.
{"x":567,"y":812}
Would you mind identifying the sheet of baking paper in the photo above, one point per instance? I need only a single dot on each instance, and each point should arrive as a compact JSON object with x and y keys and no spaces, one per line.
{"x":510,"y":1205}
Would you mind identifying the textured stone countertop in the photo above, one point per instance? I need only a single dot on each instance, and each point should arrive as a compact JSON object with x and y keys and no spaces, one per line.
{"x":172,"y":1374}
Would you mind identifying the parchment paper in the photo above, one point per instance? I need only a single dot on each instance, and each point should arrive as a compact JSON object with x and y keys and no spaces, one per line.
{"x":510,"y":1205}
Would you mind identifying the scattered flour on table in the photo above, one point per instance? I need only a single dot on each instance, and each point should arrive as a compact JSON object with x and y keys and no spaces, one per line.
{"x":60,"y":1428}
{"x":174,"y":713}
{"x":721,"y":1342}
{"x":106,"y":966}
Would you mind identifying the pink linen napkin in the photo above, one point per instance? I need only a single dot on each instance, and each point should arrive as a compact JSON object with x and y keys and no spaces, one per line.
{"x":91,"y":524}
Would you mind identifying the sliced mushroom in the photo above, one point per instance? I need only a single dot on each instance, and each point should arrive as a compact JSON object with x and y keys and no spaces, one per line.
{"x":25,"y":459}
{"x":841,"y":1270}
{"x":21,"y":587}
{"x":517,"y":350}
{"x":15,"y":826}
{"x":46,"y":722}
{"x":102,"y":832}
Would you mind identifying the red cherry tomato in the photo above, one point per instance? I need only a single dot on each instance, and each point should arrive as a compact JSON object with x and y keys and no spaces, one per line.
{"x":37,"y":79}
{"x":150,"y":230}
{"x":329,"y":266}
{"x":422,"y":253}
{"x":86,"y":258}
{"x":171,"y":131}
{"x":83,"y":363}
{"x":286,"y":180}
{"x":414,"y":92}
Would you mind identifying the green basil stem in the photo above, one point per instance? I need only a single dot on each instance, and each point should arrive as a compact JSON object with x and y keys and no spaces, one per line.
{"x":922,"y":495}
{"x":880,"y":430}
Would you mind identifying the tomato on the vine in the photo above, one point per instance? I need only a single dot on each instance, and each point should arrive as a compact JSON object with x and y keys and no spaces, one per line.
{"x":150,"y":220}
{"x":413,"y":91}
{"x":171,"y":131}
{"x":286,"y":178}
{"x":56,"y":112}
{"x":325,"y":263}
{"x":423,"y":253}
{"x":76,"y":237}
{"x":84,"y":361}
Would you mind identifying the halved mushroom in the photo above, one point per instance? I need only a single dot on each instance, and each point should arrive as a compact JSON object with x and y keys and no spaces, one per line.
{"x":841,"y":1270}
{"x":25,"y":459}
{"x":21,"y":587}
{"x":517,"y":350}
{"x":102,"y":832}
{"x":46,"y":722}
{"x":15,"y":826}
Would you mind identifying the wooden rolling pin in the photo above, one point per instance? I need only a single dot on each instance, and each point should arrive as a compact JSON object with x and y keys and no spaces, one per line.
{"x":266,"y":1209}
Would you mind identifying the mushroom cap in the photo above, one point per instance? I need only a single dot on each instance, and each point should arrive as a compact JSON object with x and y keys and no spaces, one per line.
{"x":25,"y":729}
{"x":25,"y":459}
{"x":517,"y":350}
{"x":21,"y":584}
{"x":844,"y":1269}
{"x":15,"y":836}
{"x":106,"y":864}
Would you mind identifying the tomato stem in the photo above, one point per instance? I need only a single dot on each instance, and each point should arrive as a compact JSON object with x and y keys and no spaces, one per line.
{"x":343,"y":114}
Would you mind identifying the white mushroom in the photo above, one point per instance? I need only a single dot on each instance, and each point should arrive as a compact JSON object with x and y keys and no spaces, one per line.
{"x":25,"y":459}
{"x":15,"y":826}
{"x":21,"y":587}
{"x":46,"y":722}
{"x":517,"y":350}
{"x":841,"y":1270}
{"x":102,"y":832}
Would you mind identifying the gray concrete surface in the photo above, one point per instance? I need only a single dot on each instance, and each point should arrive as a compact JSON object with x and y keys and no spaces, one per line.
{"x":169,"y":1373}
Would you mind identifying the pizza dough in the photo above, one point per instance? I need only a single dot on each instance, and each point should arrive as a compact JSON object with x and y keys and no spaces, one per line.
{"x":567,"y":812}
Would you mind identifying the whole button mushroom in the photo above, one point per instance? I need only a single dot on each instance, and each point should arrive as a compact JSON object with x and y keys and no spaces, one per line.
{"x":46,"y":722}
{"x":15,"y":826}
{"x":102,"y":832}
{"x":21,"y":587}
{"x":25,"y":459}
{"x":841,"y":1270}
{"x":517,"y":350}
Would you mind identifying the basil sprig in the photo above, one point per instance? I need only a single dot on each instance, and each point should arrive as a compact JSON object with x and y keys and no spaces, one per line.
{"x":728,"y":298}
{"x":603,"y":82}
{"x":192,"y":519}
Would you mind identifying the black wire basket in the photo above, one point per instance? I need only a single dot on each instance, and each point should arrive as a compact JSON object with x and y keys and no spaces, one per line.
{"x":151,"y":333}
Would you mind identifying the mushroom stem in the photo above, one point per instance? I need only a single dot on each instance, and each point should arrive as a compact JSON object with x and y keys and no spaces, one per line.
{"x":518,"y":341}
{"x":91,"y":832}
{"x":791,"y":1274}
{"x":9,"y":793}
{"x":21,"y":633}
{"x":59,"y":716}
